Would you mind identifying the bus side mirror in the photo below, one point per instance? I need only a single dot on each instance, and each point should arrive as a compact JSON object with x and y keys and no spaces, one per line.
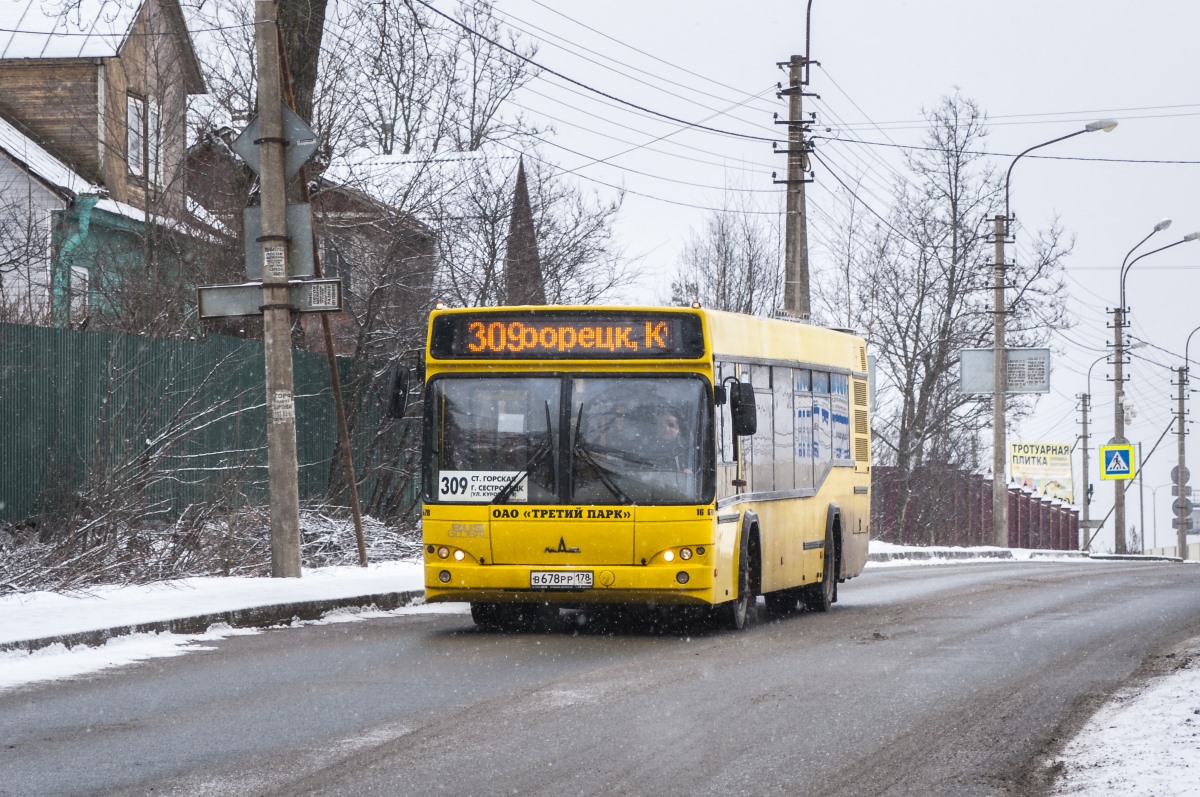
{"x":741,"y":408}
{"x":398,"y":396}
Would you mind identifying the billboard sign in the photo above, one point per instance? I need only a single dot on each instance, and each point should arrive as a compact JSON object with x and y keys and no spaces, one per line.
{"x":1043,"y":467}
{"x":1027,"y":371}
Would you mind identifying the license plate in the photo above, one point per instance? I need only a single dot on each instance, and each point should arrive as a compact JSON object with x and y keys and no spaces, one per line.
{"x":560,"y":579}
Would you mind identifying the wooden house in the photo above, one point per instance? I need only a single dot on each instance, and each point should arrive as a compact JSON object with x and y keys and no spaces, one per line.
{"x":93,"y":119}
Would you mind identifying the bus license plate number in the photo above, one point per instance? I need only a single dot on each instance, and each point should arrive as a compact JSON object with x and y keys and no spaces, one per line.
{"x":560,"y":579}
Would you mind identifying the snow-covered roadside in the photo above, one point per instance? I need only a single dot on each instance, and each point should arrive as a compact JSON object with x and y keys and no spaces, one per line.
{"x":1144,"y":742}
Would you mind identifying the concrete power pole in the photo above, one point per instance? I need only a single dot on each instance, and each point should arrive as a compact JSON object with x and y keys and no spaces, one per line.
{"x":1085,"y":526}
{"x":277,"y":310}
{"x":999,"y":396}
{"x":1183,"y":508}
{"x":796,"y":284}
{"x":1118,"y":438}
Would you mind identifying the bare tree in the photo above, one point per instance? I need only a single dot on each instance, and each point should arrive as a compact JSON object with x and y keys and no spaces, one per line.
{"x":919,"y":285}
{"x":734,"y":262}
{"x":579,"y":259}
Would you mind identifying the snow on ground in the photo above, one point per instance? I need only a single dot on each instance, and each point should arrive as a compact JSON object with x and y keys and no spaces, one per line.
{"x":1144,"y":743}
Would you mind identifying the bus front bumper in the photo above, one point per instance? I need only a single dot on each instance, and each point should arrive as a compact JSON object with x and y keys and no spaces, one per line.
{"x":677,"y":583}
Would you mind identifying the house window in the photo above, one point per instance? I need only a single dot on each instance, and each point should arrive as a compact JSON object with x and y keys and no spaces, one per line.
{"x":79,"y":293}
{"x":135,"y":141}
{"x":144,"y":140}
{"x":154,"y":143}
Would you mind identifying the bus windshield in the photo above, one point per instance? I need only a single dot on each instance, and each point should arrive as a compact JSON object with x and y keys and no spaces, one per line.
{"x":573,"y":439}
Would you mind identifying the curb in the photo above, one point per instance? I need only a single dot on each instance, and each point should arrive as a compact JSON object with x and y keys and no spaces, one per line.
{"x":938,"y":554}
{"x":253,"y":617}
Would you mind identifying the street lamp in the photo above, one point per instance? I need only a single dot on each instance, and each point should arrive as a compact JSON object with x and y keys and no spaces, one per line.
{"x":1181,"y":474}
{"x":1154,"y":510}
{"x":999,"y":364}
{"x":1119,"y":313}
{"x":1085,"y":402}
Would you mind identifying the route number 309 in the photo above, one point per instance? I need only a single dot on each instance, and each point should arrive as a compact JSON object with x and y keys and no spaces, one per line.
{"x":454,"y":485}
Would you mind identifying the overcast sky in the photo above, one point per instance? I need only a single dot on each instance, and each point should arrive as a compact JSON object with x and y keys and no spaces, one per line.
{"x":1038,"y":68}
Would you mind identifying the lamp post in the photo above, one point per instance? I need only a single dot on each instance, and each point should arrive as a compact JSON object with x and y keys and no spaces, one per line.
{"x":1119,"y":313}
{"x":999,"y":364}
{"x":1181,"y":474}
{"x":1085,"y":402}
{"x":1154,"y":510}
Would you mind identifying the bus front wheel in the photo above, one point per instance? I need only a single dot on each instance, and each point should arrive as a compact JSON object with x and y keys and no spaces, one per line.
{"x":736,"y":614}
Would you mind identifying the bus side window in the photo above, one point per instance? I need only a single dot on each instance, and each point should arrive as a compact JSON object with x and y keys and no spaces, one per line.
{"x":822,"y":425}
{"x":802,"y":416}
{"x":785,"y":463}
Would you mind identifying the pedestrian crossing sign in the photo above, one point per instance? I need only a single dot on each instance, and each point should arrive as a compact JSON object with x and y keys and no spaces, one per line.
{"x":1116,"y":462}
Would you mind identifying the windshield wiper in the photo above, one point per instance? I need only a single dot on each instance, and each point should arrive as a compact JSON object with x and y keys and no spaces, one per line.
{"x":586,"y":456}
{"x":547,"y":447}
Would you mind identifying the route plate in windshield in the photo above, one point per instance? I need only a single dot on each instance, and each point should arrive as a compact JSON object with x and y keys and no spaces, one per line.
{"x":560,"y":579}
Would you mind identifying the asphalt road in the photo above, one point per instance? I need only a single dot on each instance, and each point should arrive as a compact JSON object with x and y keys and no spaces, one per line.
{"x":952,"y":680}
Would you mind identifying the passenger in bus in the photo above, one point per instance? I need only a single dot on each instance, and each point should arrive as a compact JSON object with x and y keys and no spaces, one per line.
{"x":669,"y":451}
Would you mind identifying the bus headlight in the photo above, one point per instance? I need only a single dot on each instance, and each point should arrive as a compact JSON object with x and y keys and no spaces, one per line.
{"x":682,"y":577}
{"x":459,"y":555}
{"x":685,"y":554}
{"x":669,"y":556}
{"x":443,"y":552}
{"x":444,"y":576}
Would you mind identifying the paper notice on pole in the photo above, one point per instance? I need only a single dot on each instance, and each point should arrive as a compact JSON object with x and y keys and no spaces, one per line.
{"x":283,"y":408}
{"x":274,"y":261}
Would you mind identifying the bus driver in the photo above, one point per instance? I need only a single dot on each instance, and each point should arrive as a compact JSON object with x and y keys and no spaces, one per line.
{"x":669,"y":450}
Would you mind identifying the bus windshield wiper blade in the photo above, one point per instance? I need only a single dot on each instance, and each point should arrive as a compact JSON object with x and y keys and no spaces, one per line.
{"x":547,"y":447}
{"x":586,"y":456}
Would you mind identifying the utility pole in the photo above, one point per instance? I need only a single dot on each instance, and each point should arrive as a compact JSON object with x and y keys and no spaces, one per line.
{"x":795,"y":258}
{"x":1183,"y":506}
{"x":1085,"y":525}
{"x":999,"y":394}
{"x":277,"y":308}
{"x":1118,"y":438}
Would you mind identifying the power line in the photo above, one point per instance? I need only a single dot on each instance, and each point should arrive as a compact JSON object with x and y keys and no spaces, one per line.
{"x":919,"y":148}
{"x":592,"y":89}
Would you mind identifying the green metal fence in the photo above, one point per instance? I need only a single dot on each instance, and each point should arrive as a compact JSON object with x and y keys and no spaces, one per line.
{"x":177,"y":422}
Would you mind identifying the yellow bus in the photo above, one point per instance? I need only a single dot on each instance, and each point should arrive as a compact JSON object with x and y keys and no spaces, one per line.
{"x":579,"y":457}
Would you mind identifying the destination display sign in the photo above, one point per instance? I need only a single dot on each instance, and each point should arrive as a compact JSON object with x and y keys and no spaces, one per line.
{"x":566,"y":335}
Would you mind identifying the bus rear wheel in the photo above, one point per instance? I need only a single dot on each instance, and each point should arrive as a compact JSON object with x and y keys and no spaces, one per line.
{"x":819,"y":597}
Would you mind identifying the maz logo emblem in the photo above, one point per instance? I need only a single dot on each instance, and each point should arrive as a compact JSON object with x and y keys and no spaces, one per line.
{"x":562,"y":547}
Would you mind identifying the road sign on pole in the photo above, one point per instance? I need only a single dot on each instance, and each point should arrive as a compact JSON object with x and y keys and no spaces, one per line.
{"x":1117,"y":462}
{"x":301,"y":143}
{"x":304,"y":296}
{"x":299,"y":241}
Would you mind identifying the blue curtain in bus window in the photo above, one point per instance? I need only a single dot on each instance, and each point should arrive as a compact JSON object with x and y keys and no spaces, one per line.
{"x":839,"y":394}
{"x":781,"y":391}
{"x":802,"y":418}
{"x":762,"y":464}
{"x":822,"y":422}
